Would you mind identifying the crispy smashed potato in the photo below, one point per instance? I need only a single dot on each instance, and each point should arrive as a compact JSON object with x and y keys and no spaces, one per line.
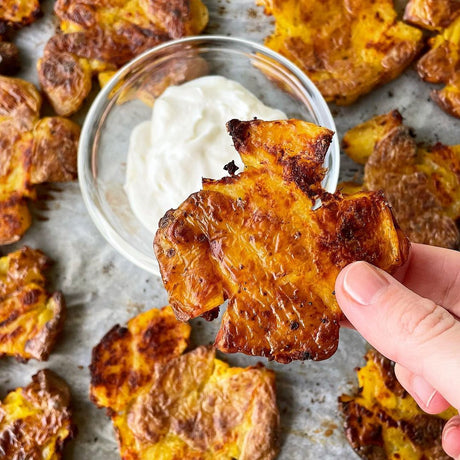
{"x":20,"y":104}
{"x":31,"y":318}
{"x":360,"y":141}
{"x":441,"y":64}
{"x":65,"y":79}
{"x":171,"y":406}
{"x":255,"y":240}
{"x":55,"y":146}
{"x":35,"y":421}
{"x":382,"y":421}
{"x":102,"y":35}
{"x":14,"y":14}
{"x":347,"y":48}
{"x":18,"y":13}
{"x":32,"y":151}
{"x":448,"y":98}
{"x":126,"y":354}
{"x":422,"y":184}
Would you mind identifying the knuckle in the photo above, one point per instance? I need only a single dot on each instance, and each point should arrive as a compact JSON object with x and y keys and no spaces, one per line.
{"x":425,"y":321}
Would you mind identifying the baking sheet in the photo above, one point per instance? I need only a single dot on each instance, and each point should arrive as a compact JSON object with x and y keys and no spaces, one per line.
{"x":102,"y":288}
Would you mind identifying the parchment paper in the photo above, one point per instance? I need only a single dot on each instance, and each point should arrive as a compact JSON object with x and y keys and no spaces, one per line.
{"x":102,"y":288}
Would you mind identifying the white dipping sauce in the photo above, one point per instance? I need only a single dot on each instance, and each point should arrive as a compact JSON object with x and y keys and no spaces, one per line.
{"x":185,"y":140}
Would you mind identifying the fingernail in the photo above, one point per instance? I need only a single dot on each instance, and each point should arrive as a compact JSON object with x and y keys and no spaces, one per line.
{"x":451,"y":437}
{"x":423,"y":390}
{"x":363,"y":282}
{"x":453,"y":427}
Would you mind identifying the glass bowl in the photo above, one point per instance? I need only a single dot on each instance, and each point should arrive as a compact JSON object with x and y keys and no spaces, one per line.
{"x":126,"y":100}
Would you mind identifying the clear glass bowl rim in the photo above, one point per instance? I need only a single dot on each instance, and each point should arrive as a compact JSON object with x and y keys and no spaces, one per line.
{"x":103,"y":99}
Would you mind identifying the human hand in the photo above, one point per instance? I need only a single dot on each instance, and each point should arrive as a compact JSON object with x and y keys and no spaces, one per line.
{"x":402,"y":317}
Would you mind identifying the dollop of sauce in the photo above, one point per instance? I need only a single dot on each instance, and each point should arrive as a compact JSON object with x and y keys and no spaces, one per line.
{"x":186,"y":140}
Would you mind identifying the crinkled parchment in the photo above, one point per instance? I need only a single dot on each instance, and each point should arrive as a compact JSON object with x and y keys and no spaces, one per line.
{"x":102,"y":288}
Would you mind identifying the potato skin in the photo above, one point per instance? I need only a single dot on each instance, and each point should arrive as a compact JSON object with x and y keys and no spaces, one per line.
{"x":54,"y":157}
{"x":448,"y":98}
{"x":56,"y":73}
{"x":254,"y":240}
{"x":431,"y":14}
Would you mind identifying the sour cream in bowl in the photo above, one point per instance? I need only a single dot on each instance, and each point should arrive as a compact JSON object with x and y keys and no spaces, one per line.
{"x":184,"y":141}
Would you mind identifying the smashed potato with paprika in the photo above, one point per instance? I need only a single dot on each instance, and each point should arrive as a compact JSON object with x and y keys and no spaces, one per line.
{"x":421,"y":183}
{"x":253,"y":239}
{"x":441,"y":64}
{"x":382,"y":421}
{"x":35,"y":421}
{"x":102,"y":35}
{"x":31,"y":318}
{"x":169,"y":405}
{"x":32,"y":151}
{"x":346,"y":48}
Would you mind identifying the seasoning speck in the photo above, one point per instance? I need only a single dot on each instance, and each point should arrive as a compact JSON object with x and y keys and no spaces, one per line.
{"x":231,"y":168}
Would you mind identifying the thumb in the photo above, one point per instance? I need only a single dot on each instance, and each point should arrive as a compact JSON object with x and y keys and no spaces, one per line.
{"x":408,"y":329}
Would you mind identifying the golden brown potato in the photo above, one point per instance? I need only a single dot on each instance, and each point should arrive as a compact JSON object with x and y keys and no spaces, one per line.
{"x":172,"y":406}
{"x":66,"y":80}
{"x":20,"y":104}
{"x":122,"y":362}
{"x":382,"y":421}
{"x":442,"y":61}
{"x":15,"y":186}
{"x":30,"y":317}
{"x":14,"y":14}
{"x":431,"y":14}
{"x":32,"y":151}
{"x":55,"y":147}
{"x":347,"y":48}
{"x":254,"y":239}
{"x":441,"y":64}
{"x":360,"y":141}
{"x":18,"y":13}
{"x":102,"y":35}
{"x":35,"y":421}
{"x":448,"y":98}
{"x":421,"y":184}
